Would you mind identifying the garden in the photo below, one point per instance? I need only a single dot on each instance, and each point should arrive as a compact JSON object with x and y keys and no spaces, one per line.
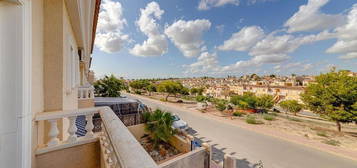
{"x":158,"y":137}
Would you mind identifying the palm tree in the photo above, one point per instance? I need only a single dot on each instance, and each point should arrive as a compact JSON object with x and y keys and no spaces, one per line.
{"x":159,"y":125}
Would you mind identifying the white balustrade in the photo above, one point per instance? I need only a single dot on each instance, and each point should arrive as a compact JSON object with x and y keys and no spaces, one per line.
{"x":71,"y":115}
{"x":72,"y":129}
{"x":53,"y":133}
{"x":86,"y":92}
{"x":89,"y":126}
{"x":118,"y":145}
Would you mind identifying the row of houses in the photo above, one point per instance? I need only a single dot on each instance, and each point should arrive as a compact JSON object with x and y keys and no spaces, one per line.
{"x":278,"y":92}
{"x":281,"y":87}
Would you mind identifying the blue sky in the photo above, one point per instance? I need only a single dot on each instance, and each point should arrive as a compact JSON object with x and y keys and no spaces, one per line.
{"x":186,"y":38}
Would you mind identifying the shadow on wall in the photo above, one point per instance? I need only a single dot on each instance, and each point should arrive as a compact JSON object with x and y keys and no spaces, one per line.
{"x":218,"y":154}
{"x":243,"y":163}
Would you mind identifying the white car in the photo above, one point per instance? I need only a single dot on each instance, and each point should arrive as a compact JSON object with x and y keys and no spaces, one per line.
{"x":178,"y":123}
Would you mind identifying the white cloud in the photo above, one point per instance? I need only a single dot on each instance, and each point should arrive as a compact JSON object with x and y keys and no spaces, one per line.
{"x":186,"y":35}
{"x":293,"y":67}
{"x":350,"y":55}
{"x":274,"y":45}
{"x":272,"y":49}
{"x":206,"y":62}
{"x":284,"y":44}
{"x":310,"y":18}
{"x":156,"y":44}
{"x":110,"y":42}
{"x":346,"y":37}
{"x":244,"y":39}
{"x":207,"y":4}
{"x":109,"y":37}
{"x":343,"y":46}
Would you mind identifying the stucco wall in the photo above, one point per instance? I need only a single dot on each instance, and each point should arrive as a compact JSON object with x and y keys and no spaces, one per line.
{"x":194,"y":159}
{"x":137,"y":130}
{"x":52,"y":39}
{"x":37,"y":74}
{"x":70,"y":94}
{"x":87,"y":155}
{"x":179,"y":143}
{"x":85,"y":103}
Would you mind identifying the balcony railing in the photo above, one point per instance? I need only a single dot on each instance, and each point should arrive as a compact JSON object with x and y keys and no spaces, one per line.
{"x":86,"y":92}
{"x":53,"y":117}
{"x":119,"y":147}
{"x":125,"y":151}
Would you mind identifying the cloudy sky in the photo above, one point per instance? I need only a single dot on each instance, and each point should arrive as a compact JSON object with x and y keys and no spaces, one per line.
{"x":186,"y":38}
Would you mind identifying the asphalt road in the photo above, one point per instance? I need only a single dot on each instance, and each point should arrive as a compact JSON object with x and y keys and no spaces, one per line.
{"x":251,"y":147}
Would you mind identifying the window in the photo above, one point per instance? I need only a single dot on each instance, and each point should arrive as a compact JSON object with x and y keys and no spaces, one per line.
{"x":72,"y":69}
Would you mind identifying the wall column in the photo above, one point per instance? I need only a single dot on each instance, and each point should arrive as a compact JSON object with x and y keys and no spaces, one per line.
{"x":53,"y":58}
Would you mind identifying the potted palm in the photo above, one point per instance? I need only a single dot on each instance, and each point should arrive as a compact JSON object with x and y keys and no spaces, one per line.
{"x":159,"y":125}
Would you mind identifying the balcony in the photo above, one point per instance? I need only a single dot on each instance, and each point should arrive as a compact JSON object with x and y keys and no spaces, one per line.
{"x":86,"y":96}
{"x":113,"y":147}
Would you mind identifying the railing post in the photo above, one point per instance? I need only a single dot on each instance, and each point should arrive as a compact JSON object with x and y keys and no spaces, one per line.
{"x":72,"y":129}
{"x":53,"y":133}
{"x":91,"y":92}
{"x":229,"y":161}
{"x":209,"y":151}
{"x":80,"y":90}
{"x":89,"y":126}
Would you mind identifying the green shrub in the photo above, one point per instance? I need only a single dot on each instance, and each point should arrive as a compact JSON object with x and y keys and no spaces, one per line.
{"x":163,"y":100}
{"x":201,"y":98}
{"x":322,"y":134}
{"x":252,"y":120}
{"x":138,"y":92}
{"x":332,"y":142}
{"x":268,"y":117}
{"x":238,"y":114}
{"x":220,"y":106}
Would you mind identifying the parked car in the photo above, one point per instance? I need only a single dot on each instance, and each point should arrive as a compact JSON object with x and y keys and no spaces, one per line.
{"x":178,"y":123}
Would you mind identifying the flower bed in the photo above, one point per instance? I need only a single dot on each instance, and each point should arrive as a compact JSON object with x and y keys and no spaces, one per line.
{"x":163,"y":152}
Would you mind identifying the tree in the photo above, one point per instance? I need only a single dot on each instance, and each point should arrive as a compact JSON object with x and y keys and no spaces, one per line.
{"x":139,"y":84}
{"x":197,"y":91}
{"x":246,"y":101}
{"x":332,"y":96}
{"x":200,"y":90}
{"x":265,"y":102}
{"x":159,"y":124}
{"x":169,"y":87}
{"x":291,"y":106}
{"x":194,"y":91}
{"x":185,"y":91}
{"x":109,"y":86}
{"x":151,"y":88}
